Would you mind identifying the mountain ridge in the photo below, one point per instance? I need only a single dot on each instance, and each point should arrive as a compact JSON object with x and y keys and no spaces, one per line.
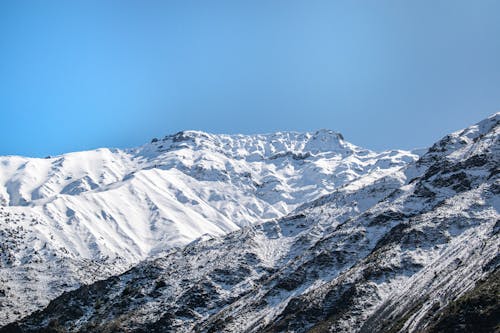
{"x":376,"y":254}
{"x":85,"y":210}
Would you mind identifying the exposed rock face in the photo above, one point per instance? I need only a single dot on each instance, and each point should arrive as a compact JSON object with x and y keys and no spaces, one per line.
{"x":477,"y":310}
{"x":413,"y":251}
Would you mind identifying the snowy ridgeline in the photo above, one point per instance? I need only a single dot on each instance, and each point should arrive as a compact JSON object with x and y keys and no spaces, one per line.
{"x":329,"y":237}
{"x":401,"y":253}
{"x":84,"y":216}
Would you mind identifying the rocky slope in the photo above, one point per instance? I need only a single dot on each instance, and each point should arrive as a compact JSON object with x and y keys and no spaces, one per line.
{"x":401,"y":253}
{"x":81,"y":217}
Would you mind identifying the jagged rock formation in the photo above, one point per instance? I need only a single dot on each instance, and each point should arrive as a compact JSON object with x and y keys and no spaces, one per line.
{"x":407,"y":252}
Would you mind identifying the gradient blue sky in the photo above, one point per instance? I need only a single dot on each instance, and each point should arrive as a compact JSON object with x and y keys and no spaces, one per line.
{"x":78,"y":75}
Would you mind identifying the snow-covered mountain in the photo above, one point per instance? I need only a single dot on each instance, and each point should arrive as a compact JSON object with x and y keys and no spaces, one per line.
{"x":81,"y":217}
{"x":412,"y":250}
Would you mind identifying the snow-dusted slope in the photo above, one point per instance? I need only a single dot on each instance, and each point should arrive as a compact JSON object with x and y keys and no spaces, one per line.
{"x":386,"y":255}
{"x":84,"y":216}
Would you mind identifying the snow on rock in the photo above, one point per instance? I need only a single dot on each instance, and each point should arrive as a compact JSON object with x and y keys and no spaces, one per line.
{"x":66,"y":217}
{"x":384,"y":252}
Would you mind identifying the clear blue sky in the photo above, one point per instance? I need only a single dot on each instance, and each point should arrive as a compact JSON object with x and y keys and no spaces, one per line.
{"x":78,"y":75}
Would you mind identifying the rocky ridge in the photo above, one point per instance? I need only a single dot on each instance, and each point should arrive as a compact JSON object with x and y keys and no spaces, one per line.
{"x":399,"y":253}
{"x":80,"y":217}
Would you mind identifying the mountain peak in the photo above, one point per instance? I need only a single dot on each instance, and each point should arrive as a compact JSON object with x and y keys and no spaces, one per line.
{"x":328,"y":133}
{"x":254,"y":145}
{"x":381,"y":251}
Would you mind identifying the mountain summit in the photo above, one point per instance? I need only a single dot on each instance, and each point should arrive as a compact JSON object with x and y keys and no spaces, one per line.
{"x":80,"y":217}
{"x":413,"y":251}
